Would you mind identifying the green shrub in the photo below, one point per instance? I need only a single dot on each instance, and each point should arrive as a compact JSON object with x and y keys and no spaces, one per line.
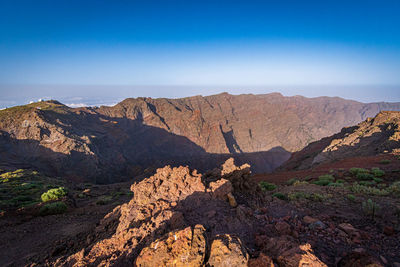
{"x":355,"y":171}
{"x":53,"y":208}
{"x":279,"y":195}
{"x":327,"y":177}
{"x":378,"y":180}
{"x":362,"y":189}
{"x":336,"y":184}
{"x":292,"y":181}
{"x":395,"y":188}
{"x":385,"y":161}
{"x":297,"y":183}
{"x":351,"y":197}
{"x":265,"y":186}
{"x":367,"y":183}
{"x":370,"y":208}
{"x":377,"y":172}
{"x":364,"y":176}
{"x":54,"y":194}
{"x":324,"y":180}
{"x":340,"y":181}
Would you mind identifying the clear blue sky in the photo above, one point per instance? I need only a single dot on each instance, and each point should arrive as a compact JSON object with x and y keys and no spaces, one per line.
{"x":200,"y":43}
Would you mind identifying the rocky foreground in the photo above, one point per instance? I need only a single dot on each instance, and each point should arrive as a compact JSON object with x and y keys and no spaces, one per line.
{"x":179,"y":217}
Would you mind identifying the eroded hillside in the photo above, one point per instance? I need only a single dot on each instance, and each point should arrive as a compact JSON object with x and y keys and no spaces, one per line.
{"x":136,"y":136}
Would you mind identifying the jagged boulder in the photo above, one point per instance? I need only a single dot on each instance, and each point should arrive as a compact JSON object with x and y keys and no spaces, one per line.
{"x":227,"y":251}
{"x":186,"y":247}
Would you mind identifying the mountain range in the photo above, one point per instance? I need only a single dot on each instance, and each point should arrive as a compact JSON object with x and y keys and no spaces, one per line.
{"x":136,"y":136}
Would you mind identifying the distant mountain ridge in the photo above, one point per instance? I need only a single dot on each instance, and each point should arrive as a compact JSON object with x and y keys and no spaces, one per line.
{"x":108,"y":144}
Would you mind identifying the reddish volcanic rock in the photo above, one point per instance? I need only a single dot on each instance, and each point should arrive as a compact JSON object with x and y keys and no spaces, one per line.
{"x":137,"y":136}
{"x":186,"y":247}
{"x":261,"y":261}
{"x":172,"y":199}
{"x":373,"y":136}
{"x":227,"y":251}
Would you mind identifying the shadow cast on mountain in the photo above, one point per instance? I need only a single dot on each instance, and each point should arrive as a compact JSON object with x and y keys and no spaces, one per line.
{"x":118,"y":150}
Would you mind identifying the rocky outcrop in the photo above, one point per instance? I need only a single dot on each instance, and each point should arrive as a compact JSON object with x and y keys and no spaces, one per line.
{"x":137,"y":136}
{"x":227,"y":251}
{"x":179,"y":217}
{"x":371,"y":137}
{"x":168,"y":220}
{"x":186,"y":247}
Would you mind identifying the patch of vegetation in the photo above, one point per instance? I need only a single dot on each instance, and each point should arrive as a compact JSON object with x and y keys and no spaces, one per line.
{"x":54,"y":194}
{"x":23,"y":188}
{"x":351,"y":197}
{"x":297,"y":183}
{"x":385,"y":161}
{"x":265,"y":186}
{"x":280,"y":195}
{"x":367,"y":183}
{"x":336,"y":184}
{"x":370,"y":208}
{"x":378,"y":180}
{"x":355,"y":171}
{"x":292,"y":181}
{"x":369,"y":190}
{"x":324,"y":180}
{"x":377,"y":172}
{"x":53,"y":208}
{"x":364,"y":176}
{"x":395,"y":188}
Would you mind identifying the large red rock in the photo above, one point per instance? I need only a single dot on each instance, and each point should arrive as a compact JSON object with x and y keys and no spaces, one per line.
{"x":227,"y":251}
{"x":186,"y":247}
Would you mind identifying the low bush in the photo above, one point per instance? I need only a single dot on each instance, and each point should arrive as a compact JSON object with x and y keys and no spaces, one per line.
{"x":351,"y":197}
{"x":336,"y":184}
{"x":367,"y":183}
{"x":279,"y":195}
{"x":355,"y":171}
{"x":324,"y":180}
{"x":53,"y":208}
{"x":395,"y":188}
{"x":297,"y":183}
{"x":377,"y":172}
{"x":369,"y":190}
{"x":292,"y":181}
{"x":265,"y":186}
{"x":378,"y":180}
{"x":385,"y":161}
{"x":370,"y":208}
{"x":54,"y":194}
{"x":364,"y":176}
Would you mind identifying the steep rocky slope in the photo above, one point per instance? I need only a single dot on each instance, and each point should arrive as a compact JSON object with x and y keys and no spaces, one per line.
{"x":378,"y":135}
{"x":136,"y":136}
